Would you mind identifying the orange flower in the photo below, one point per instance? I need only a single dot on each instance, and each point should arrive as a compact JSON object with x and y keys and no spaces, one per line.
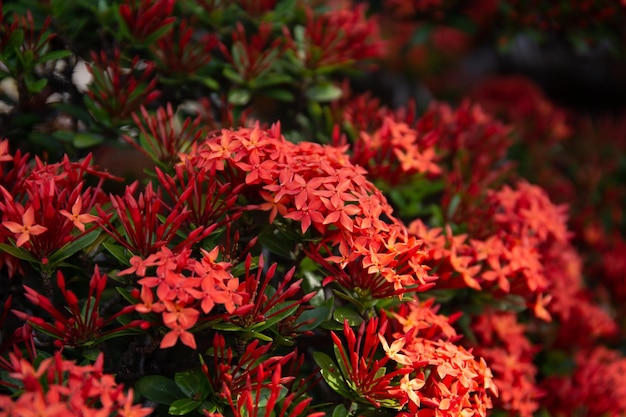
{"x":177,"y":332}
{"x":79,"y":220}
{"x":4,"y":151}
{"x":27,"y":228}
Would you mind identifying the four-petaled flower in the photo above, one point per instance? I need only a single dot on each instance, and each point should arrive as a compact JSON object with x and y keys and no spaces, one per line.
{"x":27,"y":228}
{"x":79,"y":220}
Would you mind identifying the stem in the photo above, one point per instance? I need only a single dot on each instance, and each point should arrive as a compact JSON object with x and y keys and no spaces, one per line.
{"x":48,"y":290}
{"x":353,"y":409}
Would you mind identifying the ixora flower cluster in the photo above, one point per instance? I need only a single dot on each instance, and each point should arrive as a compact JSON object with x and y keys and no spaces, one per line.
{"x":289,"y":248}
{"x":191,"y":255}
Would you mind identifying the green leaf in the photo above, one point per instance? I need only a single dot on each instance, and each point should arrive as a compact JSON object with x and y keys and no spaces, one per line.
{"x":127,"y":295}
{"x":316,"y":316}
{"x":118,"y":252}
{"x":268,"y":80}
{"x":73,"y":247}
{"x":340,"y":411}
{"x":208,"y":406}
{"x":26,"y":58}
{"x":260,"y":336}
{"x":277,"y":317}
{"x":239,"y":269}
{"x":278,"y":241}
{"x":75,"y":111}
{"x":86,"y":140}
{"x":18,"y":253}
{"x":229,"y":327}
{"x":15,"y":40}
{"x":193,"y":383}
{"x":35,"y":86}
{"x":421,"y":35}
{"x":210,"y":83}
{"x":331,"y":325}
{"x":183,"y":406}
{"x":159,"y":389}
{"x":239,"y":96}
{"x":265,"y":394}
{"x":53,"y":56}
{"x":332,"y":375}
{"x":343,"y":366}
{"x":344,"y":313}
{"x":234,"y":76}
{"x":279,"y":94}
{"x":323,"y":92}
{"x":463,"y":23}
{"x":91,"y":354}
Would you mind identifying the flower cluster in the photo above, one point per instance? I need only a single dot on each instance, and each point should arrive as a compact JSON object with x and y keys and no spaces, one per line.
{"x":57,"y":387}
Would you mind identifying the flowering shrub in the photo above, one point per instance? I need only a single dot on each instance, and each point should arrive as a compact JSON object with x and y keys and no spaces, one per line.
{"x":273,"y":243}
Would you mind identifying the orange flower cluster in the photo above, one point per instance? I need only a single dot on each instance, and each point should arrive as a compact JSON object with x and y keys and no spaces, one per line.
{"x":520,"y":101}
{"x":58,"y":388}
{"x":448,"y":379}
{"x":318,"y":187}
{"x":501,"y":340}
{"x":596,"y":388}
{"x":178,"y":282}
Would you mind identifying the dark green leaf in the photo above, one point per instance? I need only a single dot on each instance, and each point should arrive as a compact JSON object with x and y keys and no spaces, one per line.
{"x":19,"y":253}
{"x":279,"y":94}
{"x":277,"y":317}
{"x":118,"y":252}
{"x":269,"y":80}
{"x":332,"y":375}
{"x":73,"y":247}
{"x":239,"y":269}
{"x":53,"y":56}
{"x":91,"y":354}
{"x":344,"y":313}
{"x":340,"y":411}
{"x":35,"y":86}
{"x":316,"y":316}
{"x":208,"y":406}
{"x":266,"y":393}
{"x":159,"y":389}
{"x":183,"y":406}
{"x":343,"y":366}
{"x":126,"y":294}
{"x":193,"y":383}
{"x":15,"y":40}
{"x":229,"y":327}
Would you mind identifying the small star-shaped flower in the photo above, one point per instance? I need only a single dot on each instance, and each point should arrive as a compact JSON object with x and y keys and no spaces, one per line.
{"x":26,"y":229}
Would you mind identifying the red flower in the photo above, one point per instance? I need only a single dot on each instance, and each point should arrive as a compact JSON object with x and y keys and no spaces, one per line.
{"x":264,"y":303}
{"x":116,"y":92}
{"x":161,"y":136}
{"x":143,"y":231}
{"x":340,"y":37}
{"x":255,"y":54}
{"x":55,"y":387}
{"x":180,"y":53}
{"x":76,"y":325}
{"x":147,"y":20}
